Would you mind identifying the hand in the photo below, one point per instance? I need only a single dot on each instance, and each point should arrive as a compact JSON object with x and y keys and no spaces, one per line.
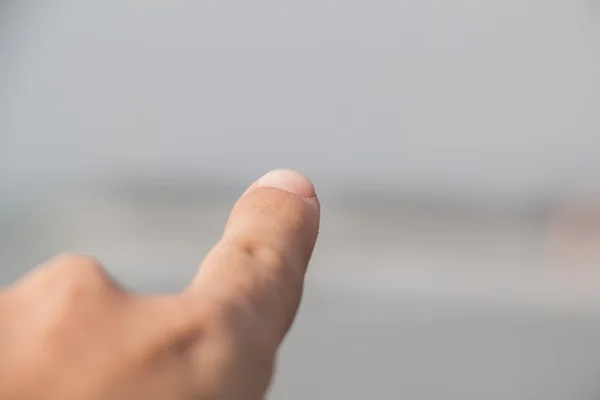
{"x":68,"y":331}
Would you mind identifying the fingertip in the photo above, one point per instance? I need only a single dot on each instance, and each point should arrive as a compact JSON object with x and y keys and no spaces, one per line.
{"x":290,"y":181}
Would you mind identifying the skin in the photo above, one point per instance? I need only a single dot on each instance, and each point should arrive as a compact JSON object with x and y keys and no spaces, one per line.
{"x":69,"y":331}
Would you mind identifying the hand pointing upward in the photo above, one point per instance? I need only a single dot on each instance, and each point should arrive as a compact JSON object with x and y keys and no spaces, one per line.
{"x":68,"y":331}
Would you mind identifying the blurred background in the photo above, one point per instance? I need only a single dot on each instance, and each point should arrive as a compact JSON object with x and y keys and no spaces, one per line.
{"x":454,"y":145}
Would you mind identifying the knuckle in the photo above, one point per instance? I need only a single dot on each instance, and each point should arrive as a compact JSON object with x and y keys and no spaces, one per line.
{"x":78,"y":273}
{"x":80,"y":266}
{"x":261,"y":252}
{"x":74,"y":260}
{"x":274,"y":263}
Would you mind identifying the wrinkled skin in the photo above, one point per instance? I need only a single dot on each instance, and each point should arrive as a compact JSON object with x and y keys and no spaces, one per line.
{"x":69,"y":331}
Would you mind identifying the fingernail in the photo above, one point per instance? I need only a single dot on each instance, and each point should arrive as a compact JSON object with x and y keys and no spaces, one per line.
{"x":290,"y":181}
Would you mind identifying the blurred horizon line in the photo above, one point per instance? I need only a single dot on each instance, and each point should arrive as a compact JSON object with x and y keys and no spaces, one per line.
{"x":379,"y":199}
{"x":208,"y":188}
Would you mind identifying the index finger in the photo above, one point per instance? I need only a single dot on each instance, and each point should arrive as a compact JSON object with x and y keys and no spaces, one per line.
{"x":255,"y":274}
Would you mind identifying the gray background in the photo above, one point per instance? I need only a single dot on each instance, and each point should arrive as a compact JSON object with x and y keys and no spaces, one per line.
{"x":436,"y":134}
{"x":494,"y":97}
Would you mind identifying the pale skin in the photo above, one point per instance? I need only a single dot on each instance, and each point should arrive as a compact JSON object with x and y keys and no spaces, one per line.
{"x":69,"y":331}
